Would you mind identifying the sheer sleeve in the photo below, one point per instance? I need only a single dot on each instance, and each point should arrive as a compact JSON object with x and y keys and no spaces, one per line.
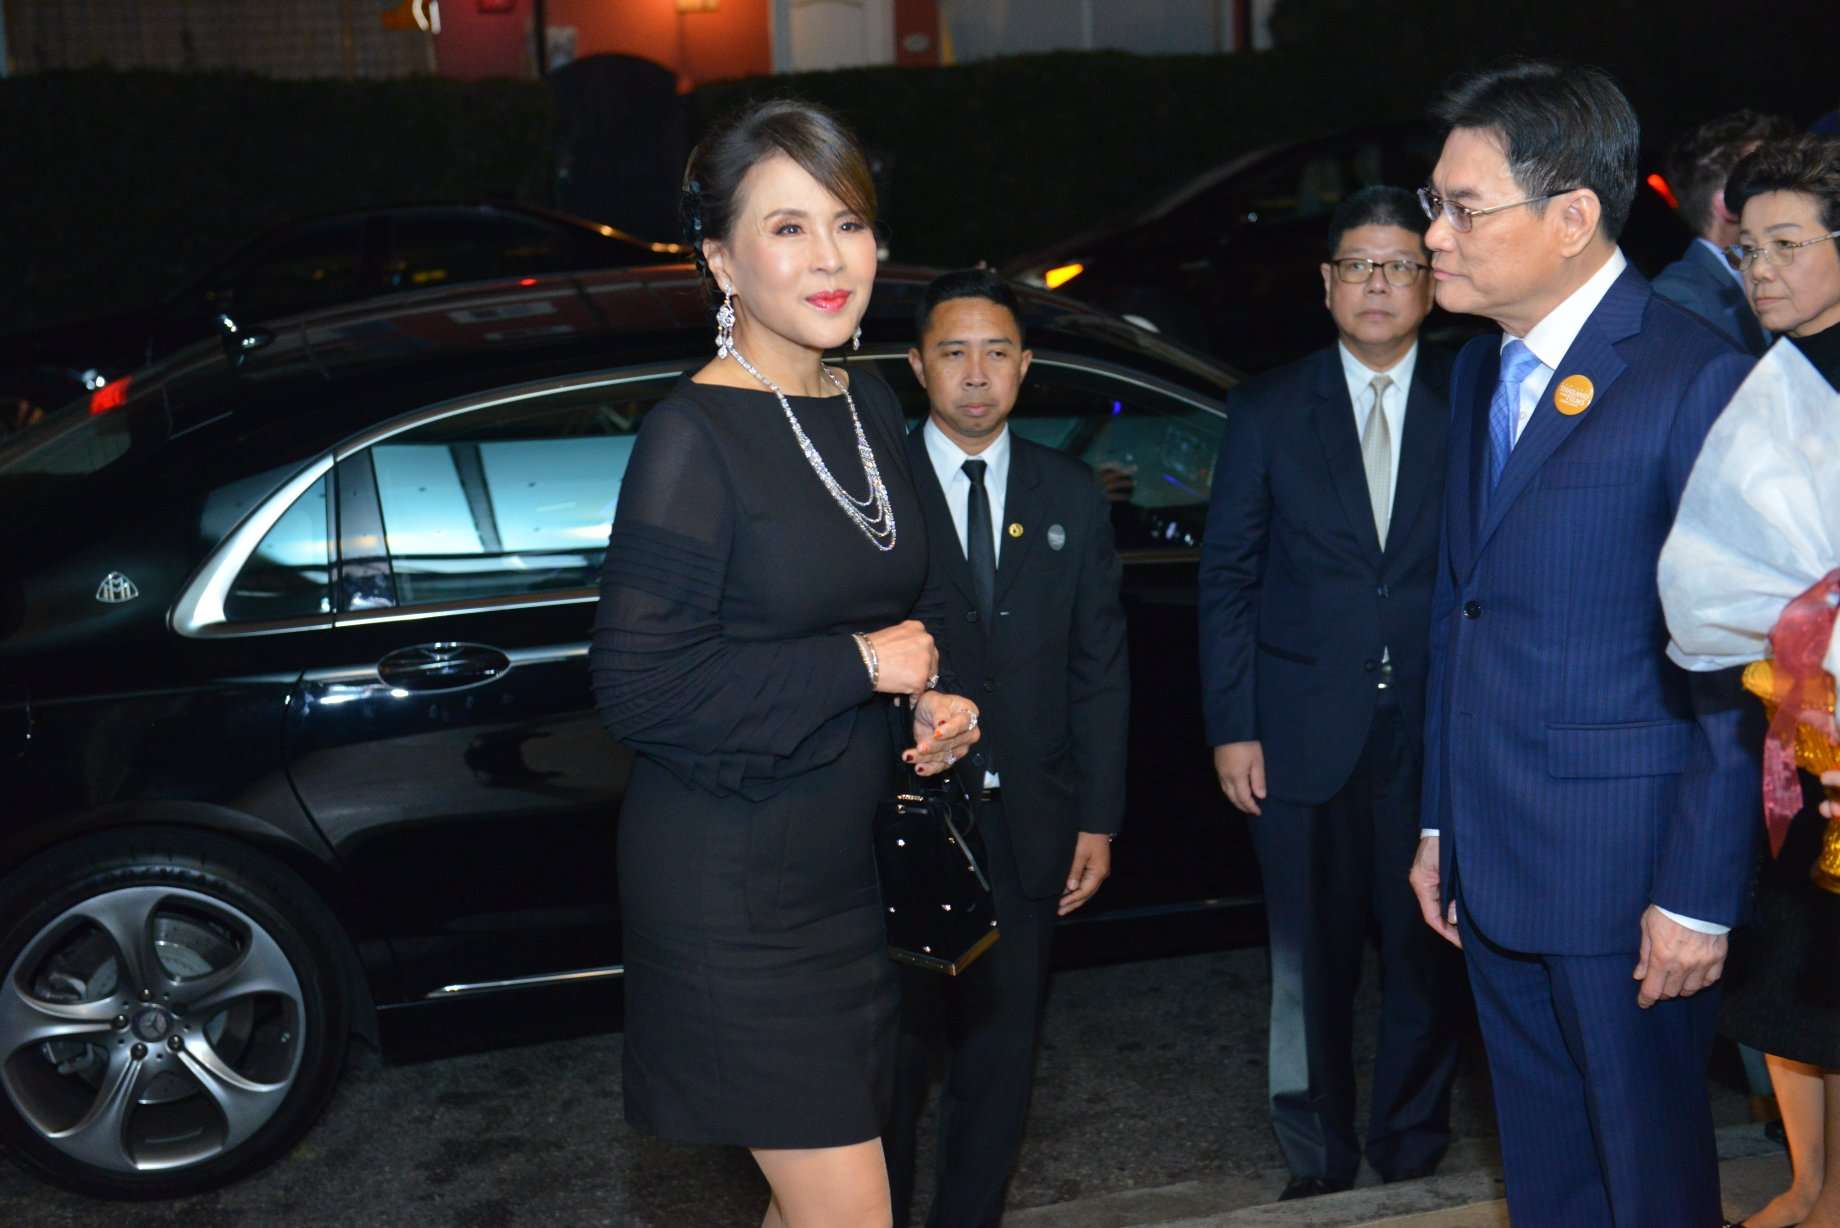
{"x":730,"y":715}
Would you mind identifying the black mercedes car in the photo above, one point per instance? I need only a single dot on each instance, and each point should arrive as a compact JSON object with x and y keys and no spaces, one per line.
{"x":314,"y":263}
{"x":295,"y":720}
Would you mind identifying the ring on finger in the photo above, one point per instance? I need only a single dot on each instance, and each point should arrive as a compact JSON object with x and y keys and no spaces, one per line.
{"x":932,"y":681}
{"x":974,"y":720}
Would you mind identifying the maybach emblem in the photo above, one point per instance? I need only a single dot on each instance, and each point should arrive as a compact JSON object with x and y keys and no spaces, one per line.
{"x":115,"y":589}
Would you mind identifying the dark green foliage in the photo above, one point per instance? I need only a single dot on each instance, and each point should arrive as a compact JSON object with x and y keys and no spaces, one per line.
{"x":988,"y":160}
{"x":122,"y":185}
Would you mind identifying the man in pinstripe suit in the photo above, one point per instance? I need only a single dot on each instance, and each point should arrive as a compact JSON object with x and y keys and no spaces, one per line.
{"x":1586,"y":804}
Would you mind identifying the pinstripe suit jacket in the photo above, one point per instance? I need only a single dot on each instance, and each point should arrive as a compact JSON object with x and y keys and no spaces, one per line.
{"x":1574,"y":773}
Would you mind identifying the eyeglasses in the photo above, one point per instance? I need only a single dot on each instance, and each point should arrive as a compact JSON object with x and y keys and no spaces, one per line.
{"x":1358,"y":271}
{"x":1779,"y":252}
{"x":1462,"y":217}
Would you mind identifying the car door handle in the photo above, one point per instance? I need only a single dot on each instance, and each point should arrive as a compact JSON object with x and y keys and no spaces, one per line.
{"x":442,"y":667}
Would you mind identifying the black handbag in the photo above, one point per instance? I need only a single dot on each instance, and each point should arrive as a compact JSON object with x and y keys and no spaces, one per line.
{"x":929,"y":855}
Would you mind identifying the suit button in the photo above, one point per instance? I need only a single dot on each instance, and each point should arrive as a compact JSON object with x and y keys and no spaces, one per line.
{"x":1472,"y":609}
{"x":1382,"y":592}
{"x":977,"y":757}
{"x":1370,"y":666}
{"x":970,"y":616}
{"x":990,"y":684}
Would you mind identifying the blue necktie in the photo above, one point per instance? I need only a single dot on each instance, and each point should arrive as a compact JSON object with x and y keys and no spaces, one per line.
{"x":1517,"y":363}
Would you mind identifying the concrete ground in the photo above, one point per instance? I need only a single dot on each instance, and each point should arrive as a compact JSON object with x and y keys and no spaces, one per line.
{"x":1149,"y":1110}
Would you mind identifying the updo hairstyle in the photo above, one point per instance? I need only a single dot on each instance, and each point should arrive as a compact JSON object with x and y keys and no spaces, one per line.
{"x":810,"y":135}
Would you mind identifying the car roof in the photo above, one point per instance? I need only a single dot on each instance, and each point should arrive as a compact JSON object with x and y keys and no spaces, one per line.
{"x":653,"y":313}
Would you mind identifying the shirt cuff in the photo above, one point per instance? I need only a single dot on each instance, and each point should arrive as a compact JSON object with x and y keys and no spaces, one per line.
{"x":1427,"y":833}
{"x":1702,"y":927}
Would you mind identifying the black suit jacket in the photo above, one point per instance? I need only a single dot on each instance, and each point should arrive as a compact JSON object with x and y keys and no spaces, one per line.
{"x":1050,"y":678}
{"x":1297,"y":596}
{"x":1701,"y":282}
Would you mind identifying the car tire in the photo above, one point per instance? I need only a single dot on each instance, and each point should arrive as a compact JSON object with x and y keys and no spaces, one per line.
{"x":205,"y":1053}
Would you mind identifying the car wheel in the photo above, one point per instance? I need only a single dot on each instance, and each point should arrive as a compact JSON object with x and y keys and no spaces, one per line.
{"x":173,"y":1014}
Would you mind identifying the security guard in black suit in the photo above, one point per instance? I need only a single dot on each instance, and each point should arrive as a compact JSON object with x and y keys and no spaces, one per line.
{"x":1022,"y":551}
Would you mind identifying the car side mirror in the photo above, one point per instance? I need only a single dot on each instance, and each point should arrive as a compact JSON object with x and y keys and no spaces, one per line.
{"x":240,"y":341}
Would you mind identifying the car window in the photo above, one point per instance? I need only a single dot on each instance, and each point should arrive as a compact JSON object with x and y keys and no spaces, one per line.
{"x":312,"y":267}
{"x":438,"y":249}
{"x":507,"y":500}
{"x":290,"y":573}
{"x":1298,"y":184}
{"x":1152,"y":454}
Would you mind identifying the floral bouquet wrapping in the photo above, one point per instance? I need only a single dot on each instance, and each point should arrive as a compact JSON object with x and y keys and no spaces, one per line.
{"x":1750,"y":574}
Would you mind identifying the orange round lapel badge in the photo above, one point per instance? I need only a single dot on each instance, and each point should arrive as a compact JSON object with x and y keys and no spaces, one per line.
{"x":1573,"y":396}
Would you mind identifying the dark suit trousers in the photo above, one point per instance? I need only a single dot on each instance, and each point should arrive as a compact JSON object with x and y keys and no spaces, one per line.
{"x":1603,"y":1107}
{"x":1333,"y":873}
{"x":984,"y":1023}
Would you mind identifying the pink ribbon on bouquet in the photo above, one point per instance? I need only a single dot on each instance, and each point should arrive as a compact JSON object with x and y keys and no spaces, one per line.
{"x":1798,"y":645}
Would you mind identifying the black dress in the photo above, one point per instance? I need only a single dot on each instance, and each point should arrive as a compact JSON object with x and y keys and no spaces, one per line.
{"x":1782,"y":984}
{"x":759,"y":996}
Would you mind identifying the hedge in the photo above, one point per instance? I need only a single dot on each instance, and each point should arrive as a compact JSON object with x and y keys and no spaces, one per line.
{"x":123,"y":184}
{"x":120,"y":185}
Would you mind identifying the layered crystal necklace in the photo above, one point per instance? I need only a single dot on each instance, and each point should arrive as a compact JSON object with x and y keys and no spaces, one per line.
{"x":879,"y":527}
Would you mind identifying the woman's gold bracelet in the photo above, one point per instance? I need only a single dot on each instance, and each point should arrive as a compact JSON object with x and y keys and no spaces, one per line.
{"x":870,"y":661}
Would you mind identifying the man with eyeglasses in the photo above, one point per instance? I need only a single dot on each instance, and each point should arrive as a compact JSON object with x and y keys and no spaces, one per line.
{"x":1315,"y":596}
{"x":1588,"y":805}
{"x":1702,"y":280}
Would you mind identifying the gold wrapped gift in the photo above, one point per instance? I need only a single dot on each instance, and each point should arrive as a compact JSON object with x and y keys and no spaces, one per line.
{"x":1814,"y":752}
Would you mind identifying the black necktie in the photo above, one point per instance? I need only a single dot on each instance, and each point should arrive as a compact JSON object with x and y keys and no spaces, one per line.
{"x":980,"y":542}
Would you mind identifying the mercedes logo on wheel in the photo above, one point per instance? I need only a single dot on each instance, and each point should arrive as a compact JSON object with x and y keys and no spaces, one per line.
{"x":152,"y":1024}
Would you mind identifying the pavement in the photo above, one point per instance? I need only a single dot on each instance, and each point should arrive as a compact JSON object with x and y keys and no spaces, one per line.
{"x":1149,"y":1112}
{"x":1467,"y":1193}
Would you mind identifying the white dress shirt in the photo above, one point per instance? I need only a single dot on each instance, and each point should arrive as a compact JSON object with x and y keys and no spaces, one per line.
{"x":1549,"y":340}
{"x":1392,"y":402}
{"x":1553,"y":336}
{"x":948,"y":466}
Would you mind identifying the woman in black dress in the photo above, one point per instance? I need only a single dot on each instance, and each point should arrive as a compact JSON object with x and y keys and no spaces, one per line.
{"x":1783,"y":977}
{"x":756,"y":619}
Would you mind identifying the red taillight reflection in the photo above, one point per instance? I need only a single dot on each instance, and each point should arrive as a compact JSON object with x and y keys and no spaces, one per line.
{"x":1662,"y":189}
{"x":109,"y":396}
{"x":527,"y":281}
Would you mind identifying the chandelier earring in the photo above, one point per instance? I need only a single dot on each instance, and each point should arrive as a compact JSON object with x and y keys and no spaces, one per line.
{"x":856,"y":339}
{"x":725,"y":324}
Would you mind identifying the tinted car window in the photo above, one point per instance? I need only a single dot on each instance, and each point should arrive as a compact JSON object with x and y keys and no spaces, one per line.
{"x":1153,"y":454}
{"x":289,"y":575}
{"x":312,"y":267}
{"x":433,"y":249}
{"x":508,"y":500}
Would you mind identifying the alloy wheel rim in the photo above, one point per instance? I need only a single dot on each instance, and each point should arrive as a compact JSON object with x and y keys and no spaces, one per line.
{"x":148,"y":1029}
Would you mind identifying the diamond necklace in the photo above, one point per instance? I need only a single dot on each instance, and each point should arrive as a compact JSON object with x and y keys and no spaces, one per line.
{"x":879,"y":528}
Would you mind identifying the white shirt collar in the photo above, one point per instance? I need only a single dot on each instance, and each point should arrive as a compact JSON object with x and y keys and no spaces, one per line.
{"x":1553,"y":336}
{"x":949,"y":459}
{"x":1360,"y":375}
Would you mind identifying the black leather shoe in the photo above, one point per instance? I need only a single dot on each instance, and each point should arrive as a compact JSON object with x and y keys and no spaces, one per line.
{"x":1411,"y":1174}
{"x":1312,"y":1187}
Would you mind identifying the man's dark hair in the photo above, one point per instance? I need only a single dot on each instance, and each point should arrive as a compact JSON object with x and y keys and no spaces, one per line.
{"x":967,"y":283}
{"x":1560,"y":126}
{"x":1700,"y":162}
{"x":1806,"y":164}
{"x":1377,"y":205}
